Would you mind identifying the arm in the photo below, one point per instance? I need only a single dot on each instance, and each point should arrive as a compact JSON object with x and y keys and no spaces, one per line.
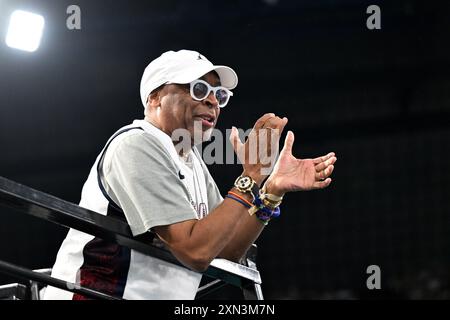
{"x":228,"y":231}
{"x":290,"y":174}
{"x":197,"y":243}
{"x":245,"y":235}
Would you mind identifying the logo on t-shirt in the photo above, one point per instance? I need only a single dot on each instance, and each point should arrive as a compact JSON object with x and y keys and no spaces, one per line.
{"x":201,"y":210}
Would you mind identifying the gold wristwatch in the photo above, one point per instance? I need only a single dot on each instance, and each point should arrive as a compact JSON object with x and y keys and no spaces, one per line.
{"x":246,"y":184}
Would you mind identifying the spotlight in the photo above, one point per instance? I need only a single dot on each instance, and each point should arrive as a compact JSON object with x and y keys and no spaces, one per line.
{"x":25,"y":30}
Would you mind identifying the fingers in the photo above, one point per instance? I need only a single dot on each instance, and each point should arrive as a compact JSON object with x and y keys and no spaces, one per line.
{"x":274,"y":123}
{"x":260,"y":122}
{"x":235,"y":139}
{"x":322,"y":184}
{"x":288,"y":143}
{"x":322,"y":175}
{"x":323,"y":165}
{"x":323,"y":158}
{"x":283,"y":124}
{"x":270,"y":120}
{"x":274,"y":127}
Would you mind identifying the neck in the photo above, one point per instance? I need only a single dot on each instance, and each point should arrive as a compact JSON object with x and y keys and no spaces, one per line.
{"x":182,"y":148}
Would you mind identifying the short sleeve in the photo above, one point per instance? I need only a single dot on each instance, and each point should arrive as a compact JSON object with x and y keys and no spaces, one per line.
{"x":143,"y":180}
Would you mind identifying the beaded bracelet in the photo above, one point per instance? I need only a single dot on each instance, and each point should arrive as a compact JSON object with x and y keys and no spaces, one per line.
{"x":262,"y":212}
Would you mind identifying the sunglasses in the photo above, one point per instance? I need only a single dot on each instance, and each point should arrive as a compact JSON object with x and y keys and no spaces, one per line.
{"x":201,"y":89}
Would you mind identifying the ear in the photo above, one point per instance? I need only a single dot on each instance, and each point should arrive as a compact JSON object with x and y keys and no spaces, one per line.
{"x":154,"y":100}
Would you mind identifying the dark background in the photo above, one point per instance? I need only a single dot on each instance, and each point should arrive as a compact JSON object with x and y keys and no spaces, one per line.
{"x":380,"y":99}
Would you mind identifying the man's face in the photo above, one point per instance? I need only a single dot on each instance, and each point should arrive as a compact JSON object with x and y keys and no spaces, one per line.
{"x":180,"y":111}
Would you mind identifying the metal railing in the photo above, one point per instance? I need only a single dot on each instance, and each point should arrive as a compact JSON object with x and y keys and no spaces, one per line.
{"x":47,"y":207}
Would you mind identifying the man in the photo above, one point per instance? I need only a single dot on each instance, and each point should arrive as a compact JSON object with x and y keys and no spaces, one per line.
{"x":143,"y":176}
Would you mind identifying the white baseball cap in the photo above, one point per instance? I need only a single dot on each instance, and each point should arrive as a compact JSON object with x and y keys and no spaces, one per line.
{"x":182,"y":67}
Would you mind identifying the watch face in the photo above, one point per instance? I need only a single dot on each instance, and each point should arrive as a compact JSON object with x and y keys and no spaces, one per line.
{"x":244,"y":182}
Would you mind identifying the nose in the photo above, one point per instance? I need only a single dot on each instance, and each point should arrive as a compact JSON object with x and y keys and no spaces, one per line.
{"x":211,"y":100}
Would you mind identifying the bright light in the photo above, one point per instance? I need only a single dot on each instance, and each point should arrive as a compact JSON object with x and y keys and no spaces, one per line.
{"x":25,"y":30}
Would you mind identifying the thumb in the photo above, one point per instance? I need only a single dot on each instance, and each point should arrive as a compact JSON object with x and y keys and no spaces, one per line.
{"x":288,"y":142}
{"x":235,"y":139}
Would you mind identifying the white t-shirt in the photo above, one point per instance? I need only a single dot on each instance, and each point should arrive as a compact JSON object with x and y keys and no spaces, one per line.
{"x":144,"y":175}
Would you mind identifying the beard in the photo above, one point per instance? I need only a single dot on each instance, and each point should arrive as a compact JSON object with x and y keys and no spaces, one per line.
{"x":185,"y":139}
{"x":207,"y":134}
{"x":199,"y":136}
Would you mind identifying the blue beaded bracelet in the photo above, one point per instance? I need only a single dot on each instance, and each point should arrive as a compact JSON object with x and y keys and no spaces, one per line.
{"x":264,"y":213}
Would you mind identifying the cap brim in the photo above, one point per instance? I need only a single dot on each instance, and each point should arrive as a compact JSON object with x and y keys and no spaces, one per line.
{"x":228,"y":78}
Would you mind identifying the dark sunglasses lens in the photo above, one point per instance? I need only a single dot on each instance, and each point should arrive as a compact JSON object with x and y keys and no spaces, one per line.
{"x":200,"y":90}
{"x":221,"y":96}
